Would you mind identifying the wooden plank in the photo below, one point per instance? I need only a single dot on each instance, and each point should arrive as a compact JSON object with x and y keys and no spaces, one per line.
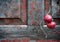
{"x":13,"y":26}
{"x":10,"y":9}
{"x":35,"y":11}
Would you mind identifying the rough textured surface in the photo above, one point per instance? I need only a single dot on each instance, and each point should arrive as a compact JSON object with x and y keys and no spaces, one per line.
{"x":27,"y":40}
{"x":9,"y":9}
{"x":30,"y":16}
{"x":13,"y":12}
{"x":35,"y":11}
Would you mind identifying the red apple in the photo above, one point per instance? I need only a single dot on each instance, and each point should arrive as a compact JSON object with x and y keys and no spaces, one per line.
{"x":48,"y":18}
{"x":51,"y":25}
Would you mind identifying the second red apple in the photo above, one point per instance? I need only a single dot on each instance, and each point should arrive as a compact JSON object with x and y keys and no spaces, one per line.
{"x":51,"y":25}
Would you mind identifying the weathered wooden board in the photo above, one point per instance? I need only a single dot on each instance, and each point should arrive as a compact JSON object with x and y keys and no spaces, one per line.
{"x":31,"y":15}
{"x":55,"y":8}
{"x":35,"y":11}
{"x":13,"y":12}
{"x":9,"y":9}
